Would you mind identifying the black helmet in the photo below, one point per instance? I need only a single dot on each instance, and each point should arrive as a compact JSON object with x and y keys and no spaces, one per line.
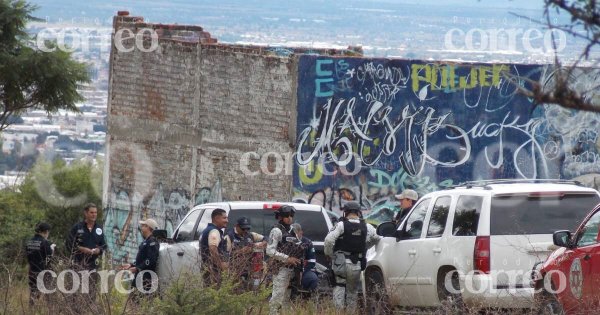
{"x":352,"y":206}
{"x":285,"y":211}
{"x":42,"y":227}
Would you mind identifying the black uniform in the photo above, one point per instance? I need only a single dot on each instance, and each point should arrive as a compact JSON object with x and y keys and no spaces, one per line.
{"x":401,"y":215}
{"x":237,"y":256}
{"x":238,"y":241}
{"x":38,"y":255}
{"x":80,"y":235}
{"x":146,"y":259}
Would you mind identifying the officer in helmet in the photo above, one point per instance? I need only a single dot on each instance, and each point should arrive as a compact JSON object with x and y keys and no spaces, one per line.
{"x":284,"y":248}
{"x":347,"y":244}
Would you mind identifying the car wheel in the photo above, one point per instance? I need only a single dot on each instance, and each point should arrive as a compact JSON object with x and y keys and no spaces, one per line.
{"x":377,"y":301}
{"x":549,"y":305}
{"x":449,"y":293}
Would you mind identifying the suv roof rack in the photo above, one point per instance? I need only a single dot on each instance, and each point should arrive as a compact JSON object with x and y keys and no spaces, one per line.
{"x":486,"y":182}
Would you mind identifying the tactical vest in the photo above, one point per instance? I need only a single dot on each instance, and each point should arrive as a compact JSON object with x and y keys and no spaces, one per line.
{"x":238,"y":241}
{"x":354,"y":239}
{"x":289,"y":245}
{"x":204,"y":250}
{"x":38,"y":252}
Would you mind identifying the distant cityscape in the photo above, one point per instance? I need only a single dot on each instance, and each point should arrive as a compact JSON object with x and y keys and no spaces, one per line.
{"x":387,"y":29}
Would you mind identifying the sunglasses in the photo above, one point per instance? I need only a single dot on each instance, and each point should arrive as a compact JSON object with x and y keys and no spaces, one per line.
{"x":245,"y":229}
{"x":286,"y":215}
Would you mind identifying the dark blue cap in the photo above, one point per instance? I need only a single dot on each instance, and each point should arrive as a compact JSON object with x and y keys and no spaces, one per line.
{"x":244,"y":223}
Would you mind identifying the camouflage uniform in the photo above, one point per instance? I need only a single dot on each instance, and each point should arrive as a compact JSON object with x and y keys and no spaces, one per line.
{"x":283,"y":243}
{"x":347,"y":248}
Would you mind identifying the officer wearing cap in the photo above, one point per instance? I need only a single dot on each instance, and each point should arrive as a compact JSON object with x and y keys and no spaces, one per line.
{"x":241,"y":242}
{"x":146,"y":260}
{"x":407,"y":200}
{"x":285,"y":248}
{"x":39,"y":250}
{"x":347,"y":244}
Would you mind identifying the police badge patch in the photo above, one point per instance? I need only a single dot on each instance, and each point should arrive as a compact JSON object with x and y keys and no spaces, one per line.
{"x":99,"y":231}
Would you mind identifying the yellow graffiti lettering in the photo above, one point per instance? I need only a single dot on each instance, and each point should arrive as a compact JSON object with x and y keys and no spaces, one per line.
{"x":483,"y":76}
{"x":497,"y":70}
{"x":444,"y":77}
{"x":310,"y":168}
{"x":366,"y":151}
{"x":416,"y":77}
{"x":472,"y":77}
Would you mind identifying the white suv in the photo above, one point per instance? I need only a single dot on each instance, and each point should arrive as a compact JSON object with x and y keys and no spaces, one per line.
{"x":182,"y":254}
{"x":473,"y":245}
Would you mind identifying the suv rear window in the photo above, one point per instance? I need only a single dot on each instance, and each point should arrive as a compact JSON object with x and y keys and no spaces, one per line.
{"x":313,"y":222}
{"x":466,"y":216}
{"x":523,"y":214}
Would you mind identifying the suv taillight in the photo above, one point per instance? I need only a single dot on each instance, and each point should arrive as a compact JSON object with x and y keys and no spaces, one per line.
{"x":481,"y":255}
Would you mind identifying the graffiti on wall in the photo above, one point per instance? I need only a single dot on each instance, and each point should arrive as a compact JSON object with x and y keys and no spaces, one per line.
{"x":167,"y":207}
{"x":369,"y":128}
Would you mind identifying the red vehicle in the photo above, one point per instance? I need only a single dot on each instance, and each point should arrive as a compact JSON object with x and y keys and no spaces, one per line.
{"x":568,"y":282}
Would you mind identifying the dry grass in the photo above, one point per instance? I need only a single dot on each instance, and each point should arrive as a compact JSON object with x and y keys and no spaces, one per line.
{"x":185,"y":297}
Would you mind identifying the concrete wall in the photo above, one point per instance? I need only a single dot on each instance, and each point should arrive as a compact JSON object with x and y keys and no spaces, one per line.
{"x":181,"y":117}
{"x":373,"y":127}
{"x":194,"y":121}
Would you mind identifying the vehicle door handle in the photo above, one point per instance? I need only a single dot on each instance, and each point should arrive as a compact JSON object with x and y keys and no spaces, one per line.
{"x":180,"y":254}
{"x":437,"y":250}
{"x":412,"y":252}
{"x":587,"y":257}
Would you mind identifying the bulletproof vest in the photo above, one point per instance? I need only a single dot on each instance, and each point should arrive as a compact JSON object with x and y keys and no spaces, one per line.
{"x":204,"y":251}
{"x":289,"y":245}
{"x":354,"y":239}
{"x":238,"y":241}
{"x":37,"y":254}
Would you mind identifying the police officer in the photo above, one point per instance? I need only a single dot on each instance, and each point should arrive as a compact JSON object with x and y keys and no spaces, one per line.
{"x":285,"y":248}
{"x":347,"y":244}
{"x":86,"y":240}
{"x":309,"y":280}
{"x":39,"y":250}
{"x":146,"y":260}
{"x":86,"y":244}
{"x":212,"y":248}
{"x":407,"y":200}
{"x":241,"y":243}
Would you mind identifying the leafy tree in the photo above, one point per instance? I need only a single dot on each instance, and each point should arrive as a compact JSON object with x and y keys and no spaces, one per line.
{"x":61,"y":191}
{"x":31,"y":78}
{"x":17,"y":219}
{"x":565,"y":87}
{"x":52,"y":192}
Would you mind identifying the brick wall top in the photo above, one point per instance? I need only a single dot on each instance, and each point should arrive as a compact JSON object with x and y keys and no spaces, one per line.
{"x":196,"y":34}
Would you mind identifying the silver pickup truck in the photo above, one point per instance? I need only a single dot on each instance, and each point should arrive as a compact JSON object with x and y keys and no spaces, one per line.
{"x":181,"y":254}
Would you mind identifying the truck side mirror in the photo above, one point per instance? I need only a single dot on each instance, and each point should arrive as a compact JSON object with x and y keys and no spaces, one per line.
{"x":386,"y":229}
{"x":562,"y":238}
{"x":160,"y":235}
